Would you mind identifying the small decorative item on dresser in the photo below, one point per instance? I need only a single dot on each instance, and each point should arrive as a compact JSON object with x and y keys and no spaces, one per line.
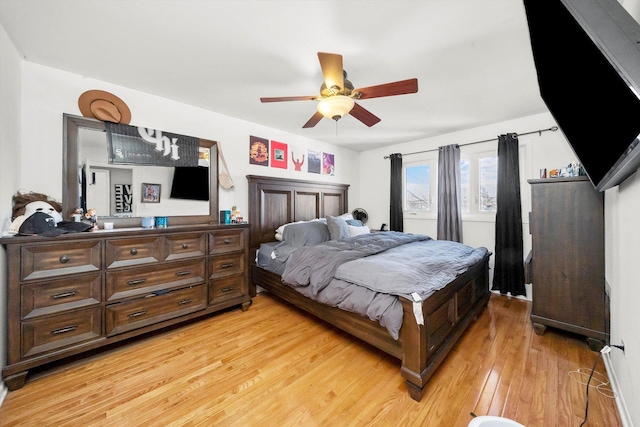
{"x":162,"y":222}
{"x":148,"y":222}
{"x":225,"y":217}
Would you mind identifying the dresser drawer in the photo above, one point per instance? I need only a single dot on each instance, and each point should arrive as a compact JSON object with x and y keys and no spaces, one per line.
{"x":225,"y":265}
{"x":223,"y":241}
{"x":145,"y":280}
{"x":53,"y":333}
{"x":185,"y":246}
{"x":43,"y":298}
{"x":128,"y":252}
{"x":46,"y":261}
{"x":146,"y":311}
{"x":227,"y":288}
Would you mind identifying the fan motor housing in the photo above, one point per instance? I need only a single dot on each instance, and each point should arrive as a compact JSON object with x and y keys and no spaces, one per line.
{"x":337,"y":90}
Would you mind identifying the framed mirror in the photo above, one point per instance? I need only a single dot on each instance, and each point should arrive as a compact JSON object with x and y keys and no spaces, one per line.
{"x":122,"y":194}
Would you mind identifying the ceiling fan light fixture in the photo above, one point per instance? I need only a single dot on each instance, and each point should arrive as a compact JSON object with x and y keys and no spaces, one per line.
{"x":335,"y":107}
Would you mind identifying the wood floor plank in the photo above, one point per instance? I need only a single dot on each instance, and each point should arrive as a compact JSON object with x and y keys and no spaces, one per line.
{"x":275,"y":365}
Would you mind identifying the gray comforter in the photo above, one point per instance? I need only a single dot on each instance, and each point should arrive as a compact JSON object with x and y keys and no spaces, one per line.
{"x":315,"y":266}
{"x":366,"y":274}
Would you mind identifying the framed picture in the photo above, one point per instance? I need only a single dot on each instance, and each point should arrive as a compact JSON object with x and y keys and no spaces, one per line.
{"x":150,"y":193}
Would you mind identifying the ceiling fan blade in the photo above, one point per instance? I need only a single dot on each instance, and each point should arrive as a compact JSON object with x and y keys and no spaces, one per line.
{"x":389,"y":89}
{"x":331,"y":64}
{"x":364,"y":115}
{"x":289,"y":98}
{"x":313,"y":120}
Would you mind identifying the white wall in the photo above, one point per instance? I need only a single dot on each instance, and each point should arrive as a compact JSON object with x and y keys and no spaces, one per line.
{"x":622,"y":249}
{"x":48,"y":93}
{"x":9,"y":155}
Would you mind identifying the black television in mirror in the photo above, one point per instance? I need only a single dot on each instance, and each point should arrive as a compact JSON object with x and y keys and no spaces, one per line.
{"x":587,"y":57}
{"x":190,"y":183}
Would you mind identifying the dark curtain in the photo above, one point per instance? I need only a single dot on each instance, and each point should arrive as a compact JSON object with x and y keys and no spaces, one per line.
{"x":508,"y":276}
{"x":449,"y":204}
{"x":395,"y":214}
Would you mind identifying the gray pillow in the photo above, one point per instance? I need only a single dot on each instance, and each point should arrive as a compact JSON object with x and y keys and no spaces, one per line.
{"x":306,"y":233}
{"x":301,"y":234}
{"x":338,"y":228}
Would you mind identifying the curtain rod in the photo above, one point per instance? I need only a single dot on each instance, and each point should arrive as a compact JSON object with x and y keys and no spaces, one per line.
{"x":539,"y":132}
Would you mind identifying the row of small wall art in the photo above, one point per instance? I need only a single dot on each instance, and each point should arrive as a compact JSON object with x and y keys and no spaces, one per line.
{"x":276,"y":154}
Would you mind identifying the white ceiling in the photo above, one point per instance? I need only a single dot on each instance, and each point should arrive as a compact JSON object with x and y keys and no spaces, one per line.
{"x":472,"y":58}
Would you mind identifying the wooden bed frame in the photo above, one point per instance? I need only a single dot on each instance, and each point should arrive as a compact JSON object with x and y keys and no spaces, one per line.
{"x":421,"y":348}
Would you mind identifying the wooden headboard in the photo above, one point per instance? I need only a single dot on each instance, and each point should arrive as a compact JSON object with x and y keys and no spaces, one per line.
{"x":277,"y":201}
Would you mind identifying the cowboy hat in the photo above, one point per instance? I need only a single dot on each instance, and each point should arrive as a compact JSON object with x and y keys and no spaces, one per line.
{"x":104,"y":106}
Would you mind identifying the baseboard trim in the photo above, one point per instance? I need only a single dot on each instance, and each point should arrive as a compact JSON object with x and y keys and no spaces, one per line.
{"x":3,"y":392}
{"x":615,"y":386}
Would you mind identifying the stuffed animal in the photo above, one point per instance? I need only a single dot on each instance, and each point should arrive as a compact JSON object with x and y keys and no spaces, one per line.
{"x":20,"y":201}
{"x":25,"y":205}
{"x":30,"y":209}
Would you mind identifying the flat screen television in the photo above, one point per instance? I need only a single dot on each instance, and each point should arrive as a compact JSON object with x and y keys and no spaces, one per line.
{"x":587,"y":57}
{"x":190,"y":183}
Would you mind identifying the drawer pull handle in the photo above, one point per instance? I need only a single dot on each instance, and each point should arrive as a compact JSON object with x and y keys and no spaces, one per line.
{"x":227,"y":241}
{"x":136,"y":282}
{"x":228,"y":265}
{"x":185,"y":246}
{"x":65,"y":294}
{"x":64,"y":259}
{"x":64,"y":330}
{"x":184,"y":301}
{"x":138,"y":313}
{"x":133,"y":251}
{"x":227,"y":289}
{"x":183,"y":273}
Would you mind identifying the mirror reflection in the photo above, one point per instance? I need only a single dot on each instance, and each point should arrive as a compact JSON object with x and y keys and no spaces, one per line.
{"x":122,"y":191}
{"x":125,"y":192}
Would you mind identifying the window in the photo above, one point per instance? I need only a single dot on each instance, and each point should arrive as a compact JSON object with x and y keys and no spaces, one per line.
{"x":465,"y":196}
{"x":488,"y":183}
{"x":479,"y":185}
{"x":417,"y":186}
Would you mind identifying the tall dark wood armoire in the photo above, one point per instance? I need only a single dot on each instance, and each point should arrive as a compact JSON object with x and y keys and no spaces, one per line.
{"x":567,"y":231}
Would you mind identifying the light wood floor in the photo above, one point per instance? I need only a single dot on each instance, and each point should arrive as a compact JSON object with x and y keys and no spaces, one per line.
{"x":275,"y":366}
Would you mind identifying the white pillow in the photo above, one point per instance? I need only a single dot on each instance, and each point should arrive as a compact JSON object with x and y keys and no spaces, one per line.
{"x":356,"y":231}
{"x":346,"y":216}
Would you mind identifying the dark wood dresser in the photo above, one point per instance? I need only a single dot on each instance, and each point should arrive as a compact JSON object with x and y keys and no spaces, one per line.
{"x":77,"y":292}
{"x":567,"y":230}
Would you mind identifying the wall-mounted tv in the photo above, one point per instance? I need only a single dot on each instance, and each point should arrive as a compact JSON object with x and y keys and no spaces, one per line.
{"x":587,"y":56}
{"x":190,"y":183}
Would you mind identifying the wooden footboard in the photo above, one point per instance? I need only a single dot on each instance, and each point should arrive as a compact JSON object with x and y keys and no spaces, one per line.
{"x":421,"y":348}
{"x":446,"y":314}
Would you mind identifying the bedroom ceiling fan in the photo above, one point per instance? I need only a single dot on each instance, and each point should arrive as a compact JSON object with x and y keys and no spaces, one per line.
{"x":337,"y":94}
